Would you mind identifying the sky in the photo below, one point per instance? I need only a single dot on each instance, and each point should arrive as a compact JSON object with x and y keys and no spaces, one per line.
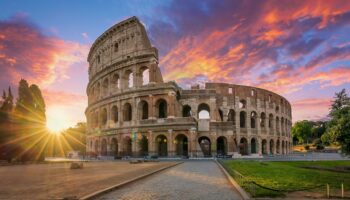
{"x":299,"y":49}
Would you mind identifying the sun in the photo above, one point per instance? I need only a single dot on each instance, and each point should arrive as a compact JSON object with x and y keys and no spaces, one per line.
{"x":56,"y":120}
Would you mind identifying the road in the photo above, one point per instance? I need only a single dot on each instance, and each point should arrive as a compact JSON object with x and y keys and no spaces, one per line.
{"x":190,"y":180}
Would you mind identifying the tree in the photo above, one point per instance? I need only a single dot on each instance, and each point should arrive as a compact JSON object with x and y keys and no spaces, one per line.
{"x":338,"y":128}
{"x":6,"y":124}
{"x":302,"y":131}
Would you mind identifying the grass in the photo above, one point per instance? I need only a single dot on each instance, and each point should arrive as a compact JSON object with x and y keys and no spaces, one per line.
{"x":288,"y":176}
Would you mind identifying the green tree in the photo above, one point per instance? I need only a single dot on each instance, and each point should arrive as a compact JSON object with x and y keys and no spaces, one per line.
{"x":6,"y":125}
{"x":302,"y":131}
{"x":338,"y":128}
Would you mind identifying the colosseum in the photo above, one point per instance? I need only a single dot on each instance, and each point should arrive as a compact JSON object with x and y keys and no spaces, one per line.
{"x":133,"y":112}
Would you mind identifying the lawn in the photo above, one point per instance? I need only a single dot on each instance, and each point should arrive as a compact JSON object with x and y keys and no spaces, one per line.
{"x":288,"y":176}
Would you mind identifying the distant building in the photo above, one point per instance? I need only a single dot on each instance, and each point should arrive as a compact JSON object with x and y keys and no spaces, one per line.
{"x":133,"y":112}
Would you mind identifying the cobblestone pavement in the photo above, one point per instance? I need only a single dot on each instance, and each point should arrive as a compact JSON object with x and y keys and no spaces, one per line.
{"x":190,"y":180}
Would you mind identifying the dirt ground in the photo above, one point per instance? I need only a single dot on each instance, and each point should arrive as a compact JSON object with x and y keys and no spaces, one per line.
{"x":57,"y":180}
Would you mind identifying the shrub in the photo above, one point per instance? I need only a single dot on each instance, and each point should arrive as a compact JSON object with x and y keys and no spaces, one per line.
{"x":307,"y":147}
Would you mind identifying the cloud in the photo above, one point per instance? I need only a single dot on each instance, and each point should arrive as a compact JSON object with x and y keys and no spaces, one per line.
{"x":261,"y":43}
{"x":318,"y":106}
{"x":85,"y":35}
{"x":25,"y":52}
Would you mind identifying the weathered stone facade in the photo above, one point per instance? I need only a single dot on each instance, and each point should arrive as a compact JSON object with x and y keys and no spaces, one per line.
{"x":132,"y":112}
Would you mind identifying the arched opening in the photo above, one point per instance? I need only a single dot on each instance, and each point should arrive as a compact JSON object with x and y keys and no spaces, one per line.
{"x":114,"y":147}
{"x":186,"y":111}
{"x":221,"y":114}
{"x":283,"y":150}
{"x":282,"y":125}
{"x":205,"y":144}
{"x":127,"y":146}
{"x":116,"y":81}
{"x":104,"y":147}
{"x":127,"y":112}
{"x":253,"y":119}
{"x":129,"y":77}
{"x":181,"y":143}
{"x":262,"y":120}
{"x":270,"y":121}
{"x":232,"y":116}
{"x":116,"y":47}
{"x":277,"y":109}
{"x":105,"y":87}
{"x":143,"y":142}
{"x":242,"y":104}
{"x":242,"y":119}
{"x":115,"y":114}
{"x":162,"y":108}
{"x":221,"y":146}
{"x":143,"y":110}
{"x":264,"y":147}
{"x":243,"y":146}
{"x":271,"y":146}
{"x":162,"y":145}
{"x":253,"y":145}
{"x":278,"y":125}
{"x":203,"y":111}
{"x":104,"y":116}
{"x":144,"y":71}
{"x":278,"y":147}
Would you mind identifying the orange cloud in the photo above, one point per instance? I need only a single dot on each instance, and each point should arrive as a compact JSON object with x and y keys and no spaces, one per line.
{"x":27,"y":53}
{"x":311,"y":108}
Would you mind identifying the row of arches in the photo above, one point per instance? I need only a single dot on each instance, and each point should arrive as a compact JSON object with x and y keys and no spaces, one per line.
{"x":118,"y":81}
{"x":143,"y":108}
{"x":254,"y":119}
{"x":104,"y":147}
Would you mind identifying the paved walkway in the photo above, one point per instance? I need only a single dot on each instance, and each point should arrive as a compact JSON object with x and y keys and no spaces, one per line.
{"x":190,"y":180}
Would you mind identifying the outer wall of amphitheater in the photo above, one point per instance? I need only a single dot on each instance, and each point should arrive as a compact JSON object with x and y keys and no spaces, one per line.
{"x":133,"y":112}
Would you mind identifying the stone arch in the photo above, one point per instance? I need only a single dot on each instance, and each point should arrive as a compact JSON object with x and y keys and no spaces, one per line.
{"x":205,"y":145}
{"x":243,"y":146}
{"x":98,"y":90}
{"x":221,"y":115}
{"x":97,"y":147}
{"x":129,"y":79}
{"x":114,"y":147}
{"x":278,"y":125}
{"x":221,"y":145}
{"x":242,"y":104}
{"x":127,"y":146}
{"x":271,"y":121}
{"x":115,"y":81}
{"x":116,"y":47}
{"x":104,"y":116}
{"x":181,"y":142}
{"x":283,"y":145}
{"x":272,"y":146}
{"x":105,"y":84}
{"x":253,"y":117}
{"x":104,"y":147}
{"x":264,"y":147}
{"x":278,"y":147}
{"x":96,"y":117}
{"x":127,"y":112}
{"x":262,"y":120}
{"x":253,"y":145}
{"x":143,"y":143}
{"x":282,"y":125}
{"x":232,"y":116}
{"x":203,"y":111}
{"x":277,"y":109}
{"x":242,"y":119}
{"x":186,"y":111}
{"x":162,"y":145}
{"x":144,"y":73}
{"x":161,"y":108}
{"x":143,"y":110}
{"x":115,"y":114}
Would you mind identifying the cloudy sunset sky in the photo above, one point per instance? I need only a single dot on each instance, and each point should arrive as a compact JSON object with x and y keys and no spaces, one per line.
{"x":299,"y":49}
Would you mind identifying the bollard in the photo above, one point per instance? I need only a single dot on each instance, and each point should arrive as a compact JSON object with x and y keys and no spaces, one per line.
{"x":327,"y":191}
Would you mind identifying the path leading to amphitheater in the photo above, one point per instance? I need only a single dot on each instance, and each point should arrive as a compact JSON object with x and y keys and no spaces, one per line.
{"x":190,"y":180}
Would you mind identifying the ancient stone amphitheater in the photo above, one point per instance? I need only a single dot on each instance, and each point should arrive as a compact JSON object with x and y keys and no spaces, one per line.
{"x":133,"y":112}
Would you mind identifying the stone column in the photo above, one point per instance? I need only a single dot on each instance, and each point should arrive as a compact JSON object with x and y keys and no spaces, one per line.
{"x":151,"y":107}
{"x":259,"y":146}
{"x":170,"y":143}
{"x":171,"y":107}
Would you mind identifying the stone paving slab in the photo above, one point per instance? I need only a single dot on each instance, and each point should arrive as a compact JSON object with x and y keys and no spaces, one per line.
{"x":189,"y":180}
{"x":57,"y":180}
